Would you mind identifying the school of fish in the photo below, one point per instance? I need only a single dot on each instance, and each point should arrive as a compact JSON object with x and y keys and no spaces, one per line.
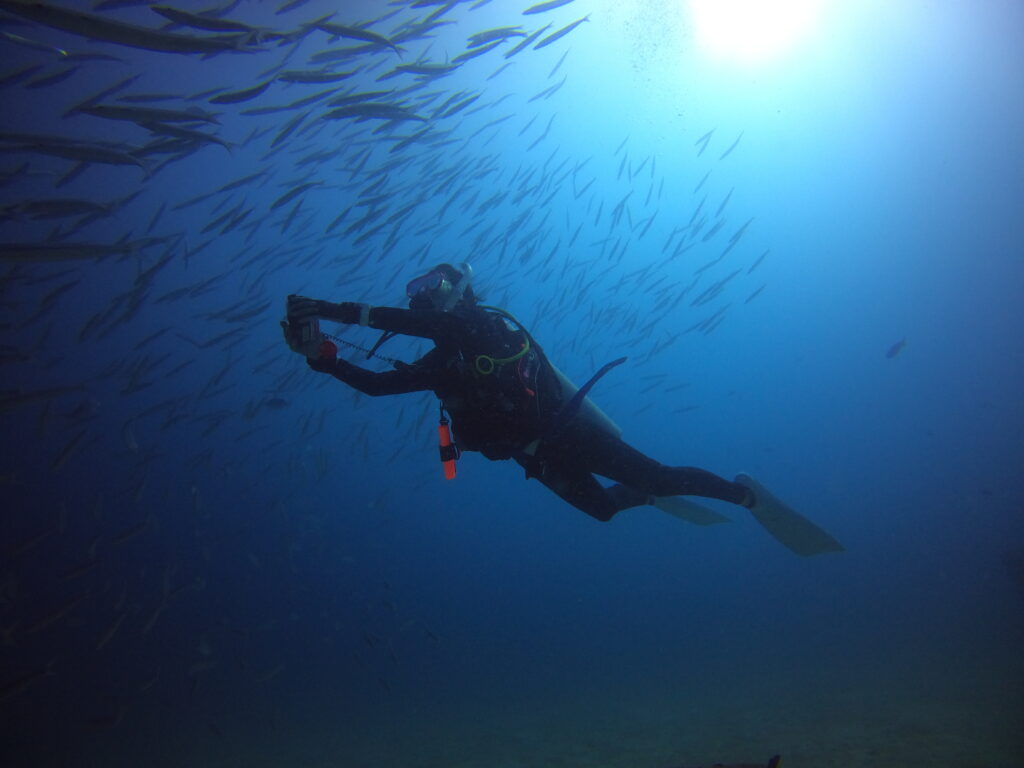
{"x":145,"y":232}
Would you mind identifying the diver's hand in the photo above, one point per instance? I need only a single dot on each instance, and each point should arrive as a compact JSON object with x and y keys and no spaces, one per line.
{"x":301,"y":309}
{"x":323,"y":364}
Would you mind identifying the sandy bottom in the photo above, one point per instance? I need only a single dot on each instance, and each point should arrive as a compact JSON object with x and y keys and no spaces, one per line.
{"x":846,"y":722}
{"x":920,"y":715}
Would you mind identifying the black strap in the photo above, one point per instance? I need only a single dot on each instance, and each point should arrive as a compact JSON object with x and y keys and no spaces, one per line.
{"x":568,"y":411}
{"x":385,"y":336}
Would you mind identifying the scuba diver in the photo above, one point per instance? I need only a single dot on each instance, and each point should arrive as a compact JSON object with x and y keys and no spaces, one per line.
{"x":506,"y":400}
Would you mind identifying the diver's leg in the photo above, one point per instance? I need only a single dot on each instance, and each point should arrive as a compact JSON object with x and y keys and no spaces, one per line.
{"x":572,"y":483}
{"x":624,"y":497}
{"x":601,"y":453}
{"x":606,"y":455}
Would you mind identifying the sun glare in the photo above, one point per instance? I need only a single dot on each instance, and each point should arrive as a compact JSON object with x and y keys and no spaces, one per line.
{"x":752,"y":30}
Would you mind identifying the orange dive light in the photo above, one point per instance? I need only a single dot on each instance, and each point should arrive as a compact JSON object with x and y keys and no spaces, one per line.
{"x":449,"y":451}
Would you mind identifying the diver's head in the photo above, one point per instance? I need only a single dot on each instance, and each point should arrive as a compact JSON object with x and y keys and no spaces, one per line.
{"x":441,"y":288}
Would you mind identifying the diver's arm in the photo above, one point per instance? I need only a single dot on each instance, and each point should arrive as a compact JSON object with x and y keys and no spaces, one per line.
{"x":423,"y":323}
{"x":417,"y":377}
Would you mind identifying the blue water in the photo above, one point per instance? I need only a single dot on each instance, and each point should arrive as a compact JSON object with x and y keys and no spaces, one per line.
{"x":211,"y":555}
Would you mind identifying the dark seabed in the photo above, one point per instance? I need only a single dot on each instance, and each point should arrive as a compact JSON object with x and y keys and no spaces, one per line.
{"x":799,"y":222}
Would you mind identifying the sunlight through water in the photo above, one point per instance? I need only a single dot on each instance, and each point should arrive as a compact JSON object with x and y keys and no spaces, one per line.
{"x":753,"y":31}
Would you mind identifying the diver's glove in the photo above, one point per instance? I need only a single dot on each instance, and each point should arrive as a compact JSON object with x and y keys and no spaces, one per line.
{"x":301,"y":309}
{"x":328,"y":361}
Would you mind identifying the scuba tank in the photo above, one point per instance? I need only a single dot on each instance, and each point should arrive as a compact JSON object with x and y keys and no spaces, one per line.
{"x":582,"y":407}
{"x":589,"y":411}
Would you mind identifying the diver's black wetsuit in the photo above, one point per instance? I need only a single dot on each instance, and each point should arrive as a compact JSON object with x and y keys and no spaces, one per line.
{"x":508,"y":413}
